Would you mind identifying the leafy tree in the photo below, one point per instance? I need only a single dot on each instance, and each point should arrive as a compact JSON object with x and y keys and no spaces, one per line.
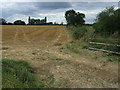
{"x":3,"y":21}
{"x":32,"y":21}
{"x":37,"y":21}
{"x":70,"y":17}
{"x":74,"y":18}
{"x":79,"y":18}
{"x":108,"y":21}
{"x":19,"y":22}
{"x":117,"y":20}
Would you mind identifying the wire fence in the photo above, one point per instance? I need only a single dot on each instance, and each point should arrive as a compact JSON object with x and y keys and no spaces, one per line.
{"x":105,"y":44}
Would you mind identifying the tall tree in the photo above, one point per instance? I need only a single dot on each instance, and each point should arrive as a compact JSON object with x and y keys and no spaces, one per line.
{"x":45,"y":20}
{"x":79,"y":18}
{"x":74,"y":18}
{"x":29,"y":21}
{"x":70,"y":17}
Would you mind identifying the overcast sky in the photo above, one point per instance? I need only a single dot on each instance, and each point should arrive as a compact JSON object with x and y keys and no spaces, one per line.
{"x":54,"y":11}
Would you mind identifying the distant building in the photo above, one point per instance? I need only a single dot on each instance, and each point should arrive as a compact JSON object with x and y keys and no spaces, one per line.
{"x":37,"y":21}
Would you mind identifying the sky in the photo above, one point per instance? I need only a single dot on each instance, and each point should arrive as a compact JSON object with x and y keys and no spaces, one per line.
{"x":54,"y":11}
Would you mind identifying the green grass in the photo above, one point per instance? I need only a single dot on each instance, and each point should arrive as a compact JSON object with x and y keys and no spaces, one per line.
{"x":109,"y":39}
{"x":18,"y":74}
{"x":76,"y":46}
{"x":79,"y":32}
{"x":113,"y":58}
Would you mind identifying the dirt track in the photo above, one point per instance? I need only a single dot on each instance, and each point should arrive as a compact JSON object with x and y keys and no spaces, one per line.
{"x":43,"y":48}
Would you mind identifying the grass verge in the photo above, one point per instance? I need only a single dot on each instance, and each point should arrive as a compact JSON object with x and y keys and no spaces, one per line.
{"x":77,"y":46}
{"x":79,"y":37}
{"x":18,"y":74}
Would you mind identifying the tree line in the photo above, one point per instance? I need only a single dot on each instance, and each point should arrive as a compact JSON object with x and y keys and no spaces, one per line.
{"x":17,"y":22}
{"x":31,"y":21}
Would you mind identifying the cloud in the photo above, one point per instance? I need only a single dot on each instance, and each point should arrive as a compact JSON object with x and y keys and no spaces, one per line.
{"x":54,"y":11}
{"x":54,"y":5}
{"x":59,"y":1}
{"x":93,"y":5}
{"x":17,"y":17}
{"x":9,"y":9}
{"x":31,"y":8}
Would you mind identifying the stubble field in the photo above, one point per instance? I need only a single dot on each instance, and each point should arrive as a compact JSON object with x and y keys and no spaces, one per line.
{"x":43,"y":47}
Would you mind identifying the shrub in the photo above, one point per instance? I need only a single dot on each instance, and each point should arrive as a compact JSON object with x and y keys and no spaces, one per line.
{"x":79,"y":32}
{"x":108,"y":21}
